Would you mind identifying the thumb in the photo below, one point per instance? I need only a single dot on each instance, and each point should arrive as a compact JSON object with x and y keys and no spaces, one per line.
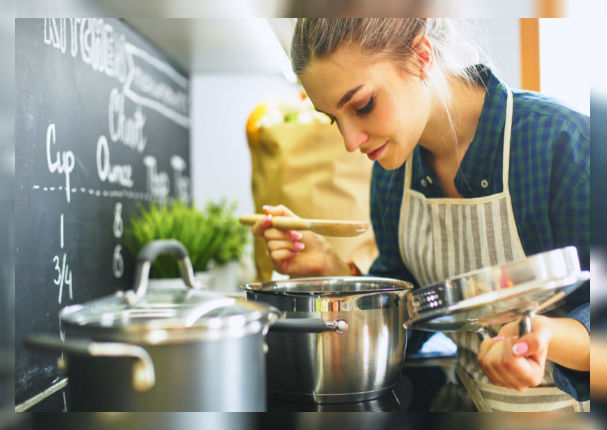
{"x":529,"y":344}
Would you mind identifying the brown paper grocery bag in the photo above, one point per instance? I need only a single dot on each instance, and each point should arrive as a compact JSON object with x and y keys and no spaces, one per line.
{"x":306,"y":168}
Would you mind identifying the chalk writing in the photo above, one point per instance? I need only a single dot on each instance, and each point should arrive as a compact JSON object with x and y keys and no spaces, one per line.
{"x":118,"y":262}
{"x":118,"y":224}
{"x":129,"y":131}
{"x":63,"y":163}
{"x":170,"y":97}
{"x":113,"y":174}
{"x":157,"y":182}
{"x":181,"y":182}
{"x":64,"y":273}
{"x":98,"y":44}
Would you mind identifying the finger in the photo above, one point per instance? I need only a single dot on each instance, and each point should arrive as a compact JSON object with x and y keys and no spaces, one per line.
{"x":531,"y":344}
{"x":279,"y":210}
{"x":493,"y":373}
{"x":282,"y":254}
{"x":276,"y":245}
{"x":517,"y":372}
{"x":489,"y":360}
{"x":276,"y":234}
{"x":261,"y":226}
{"x":486,"y":346}
{"x":509,"y":330}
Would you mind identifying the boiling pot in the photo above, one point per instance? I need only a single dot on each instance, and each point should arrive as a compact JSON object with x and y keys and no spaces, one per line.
{"x":340,"y":339}
{"x":165,"y":349}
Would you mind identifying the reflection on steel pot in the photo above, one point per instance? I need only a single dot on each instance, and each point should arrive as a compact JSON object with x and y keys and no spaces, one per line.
{"x":164,"y":349}
{"x":341,"y":339}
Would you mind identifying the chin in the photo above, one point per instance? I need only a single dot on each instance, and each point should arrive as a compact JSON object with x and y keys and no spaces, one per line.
{"x":389,"y":163}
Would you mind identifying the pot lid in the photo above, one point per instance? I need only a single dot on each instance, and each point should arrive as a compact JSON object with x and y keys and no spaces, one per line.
{"x":329,"y":285}
{"x":167,"y":314}
{"x":497,"y":294}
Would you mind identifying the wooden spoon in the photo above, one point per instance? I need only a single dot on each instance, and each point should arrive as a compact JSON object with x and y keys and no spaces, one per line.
{"x":325,"y":227}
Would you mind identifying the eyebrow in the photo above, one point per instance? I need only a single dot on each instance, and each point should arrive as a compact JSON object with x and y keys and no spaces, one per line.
{"x":346,"y":97}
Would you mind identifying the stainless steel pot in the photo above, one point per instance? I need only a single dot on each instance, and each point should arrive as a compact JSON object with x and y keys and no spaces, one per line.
{"x":166,"y":349}
{"x":341,"y":339}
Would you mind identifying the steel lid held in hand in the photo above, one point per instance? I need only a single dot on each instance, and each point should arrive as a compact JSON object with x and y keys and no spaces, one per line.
{"x":496,"y":294}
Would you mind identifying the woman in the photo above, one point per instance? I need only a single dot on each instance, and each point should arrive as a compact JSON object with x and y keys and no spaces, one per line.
{"x":467,"y":174}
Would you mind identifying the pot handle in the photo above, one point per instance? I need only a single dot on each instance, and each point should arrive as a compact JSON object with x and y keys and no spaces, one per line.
{"x":309,"y":325}
{"x":143,"y":376}
{"x":146,"y":257}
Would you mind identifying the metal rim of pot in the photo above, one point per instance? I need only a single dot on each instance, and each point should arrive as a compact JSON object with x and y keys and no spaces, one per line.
{"x":320,"y":287}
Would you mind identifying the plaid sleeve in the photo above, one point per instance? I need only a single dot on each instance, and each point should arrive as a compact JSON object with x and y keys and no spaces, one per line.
{"x":570,"y":223}
{"x":570,"y":197}
{"x":386,"y":198}
{"x":575,"y":383}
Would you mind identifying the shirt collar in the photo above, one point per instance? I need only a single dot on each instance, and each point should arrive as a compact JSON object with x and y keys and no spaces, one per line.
{"x":486,"y":148}
{"x":479,"y":161}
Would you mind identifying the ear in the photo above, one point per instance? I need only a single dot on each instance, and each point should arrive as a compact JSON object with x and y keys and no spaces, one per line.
{"x":424,"y":54}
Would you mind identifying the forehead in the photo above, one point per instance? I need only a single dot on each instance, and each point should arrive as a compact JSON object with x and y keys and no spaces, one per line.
{"x":327,"y":79}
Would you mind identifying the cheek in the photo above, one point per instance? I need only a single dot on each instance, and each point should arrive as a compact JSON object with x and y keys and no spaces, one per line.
{"x":386,"y":120}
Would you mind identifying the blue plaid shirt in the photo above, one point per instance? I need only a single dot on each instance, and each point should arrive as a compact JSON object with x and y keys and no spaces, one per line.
{"x":549,"y":186}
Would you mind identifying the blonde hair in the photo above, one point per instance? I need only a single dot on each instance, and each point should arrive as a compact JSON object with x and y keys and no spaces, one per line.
{"x":388,"y":38}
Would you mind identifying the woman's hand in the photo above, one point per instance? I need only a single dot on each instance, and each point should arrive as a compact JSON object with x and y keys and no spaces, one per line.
{"x":297,"y":253}
{"x":513,"y":362}
{"x":519,"y":363}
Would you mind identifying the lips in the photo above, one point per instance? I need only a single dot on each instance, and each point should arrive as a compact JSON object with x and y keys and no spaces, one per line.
{"x":375,"y":154}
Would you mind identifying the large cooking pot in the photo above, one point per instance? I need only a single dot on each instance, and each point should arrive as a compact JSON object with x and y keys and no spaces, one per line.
{"x":341,"y":339}
{"x":164,"y":349}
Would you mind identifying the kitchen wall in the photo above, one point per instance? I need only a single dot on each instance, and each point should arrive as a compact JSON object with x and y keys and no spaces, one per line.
{"x":221,"y":104}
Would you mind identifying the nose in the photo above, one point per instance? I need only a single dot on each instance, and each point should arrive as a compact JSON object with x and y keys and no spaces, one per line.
{"x":354,"y":137}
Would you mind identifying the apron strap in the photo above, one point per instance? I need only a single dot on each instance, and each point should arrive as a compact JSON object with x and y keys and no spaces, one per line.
{"x":507,"y":132}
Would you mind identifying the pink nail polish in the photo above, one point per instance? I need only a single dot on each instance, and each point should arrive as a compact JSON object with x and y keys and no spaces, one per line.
{"x":498,"y":338}
{"x":267,"y":220}
{"x":520,"y":348}
{"x":267,"y":207}
{"x":295,"y":235}
{"x":299,"y":246}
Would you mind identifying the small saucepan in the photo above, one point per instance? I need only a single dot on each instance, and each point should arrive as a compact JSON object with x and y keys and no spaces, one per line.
{"x":340,"y":339}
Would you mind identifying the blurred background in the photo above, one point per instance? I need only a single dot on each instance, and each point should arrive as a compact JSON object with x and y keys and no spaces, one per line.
{"x":236,"y":56}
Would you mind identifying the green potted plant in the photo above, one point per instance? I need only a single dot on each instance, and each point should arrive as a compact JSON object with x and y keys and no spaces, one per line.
{"x":213,"y":237}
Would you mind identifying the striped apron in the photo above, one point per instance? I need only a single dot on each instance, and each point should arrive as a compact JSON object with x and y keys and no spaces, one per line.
{"x":443,"y":237}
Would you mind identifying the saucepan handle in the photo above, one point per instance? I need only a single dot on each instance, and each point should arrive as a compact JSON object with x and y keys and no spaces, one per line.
{"x":143,"y":376}
{"x":309,"y":325}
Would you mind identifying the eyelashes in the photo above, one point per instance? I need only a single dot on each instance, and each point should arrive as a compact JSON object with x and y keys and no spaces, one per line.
{"x":368,"y":107}
{"x":362,"y":111}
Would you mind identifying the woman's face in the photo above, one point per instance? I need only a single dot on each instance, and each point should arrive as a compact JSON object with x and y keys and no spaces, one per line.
{"x":380,"y":109}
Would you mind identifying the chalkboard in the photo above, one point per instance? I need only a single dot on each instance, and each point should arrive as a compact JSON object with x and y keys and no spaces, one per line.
{"x":102,"y":122}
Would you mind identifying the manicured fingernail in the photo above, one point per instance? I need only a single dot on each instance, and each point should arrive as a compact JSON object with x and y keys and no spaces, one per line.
{"x":295,"y":235}
{"x":267,"y":220}
{"x":267,"y":207}
{"x":498,"y":338}
{"x":520,"y":348}
{"x":299,"y":246}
